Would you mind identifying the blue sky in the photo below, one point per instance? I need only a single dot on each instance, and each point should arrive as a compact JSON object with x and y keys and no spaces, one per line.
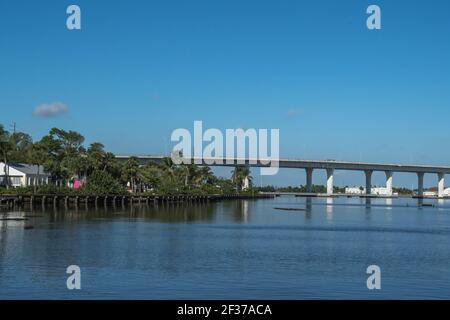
{"x":139,"y":69}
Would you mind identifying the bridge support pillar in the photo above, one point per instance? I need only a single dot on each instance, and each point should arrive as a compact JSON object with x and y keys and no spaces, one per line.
{"x":420,"y":184}
{"x":368,"y":181}
{"x":441,"y":185}
{"x":309,"y":173}
{"x":330,"y":181}
{"x":388,"y":182}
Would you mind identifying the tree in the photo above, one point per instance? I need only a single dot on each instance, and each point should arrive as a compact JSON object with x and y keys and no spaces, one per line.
{"x":5,"y":149}
{"x":169,"y":168}
{"x":80,"y":167}
{"x":99,"y":159}
{"x":190,"y":173}
{"x":71,"y":140}
{"x":205,"y":176}
{"x":52,"y":164}
{"x":63,"y":156}
{"x":239,"y":174}
{"x":130,"y":172}
{"x":101,"y":182}
{"x":37,"y":156}
{"x":151,"y":175}
{"x":111,"y":165}
{"x":96,"y":155}
{"x":71,"y":152}
{"x":21,"y":143}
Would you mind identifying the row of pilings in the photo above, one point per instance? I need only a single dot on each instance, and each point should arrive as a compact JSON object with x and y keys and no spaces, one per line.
{"x":10,"y":201}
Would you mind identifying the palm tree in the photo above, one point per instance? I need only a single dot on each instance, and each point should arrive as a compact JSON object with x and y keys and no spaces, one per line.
{"x":206,"y":176}
{"x":95,"y":154}
{"x":5,"y":149}
{"x":240,"y":174}
{"x":109,"y":162}
{"x":37,"y":156}
{"x":191,"y":174}
{"x":150,"y":175}
{"x":52,"y":164}
{"x":169,"y":168}
{"x":130,"y":172}
{"x":99,"y":159}
{"x":21,"y":144}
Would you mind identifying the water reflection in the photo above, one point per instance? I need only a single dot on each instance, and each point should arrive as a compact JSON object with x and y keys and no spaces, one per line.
{"x":148,"y":251}
{"x":173,"y":212}
{"x":308,"y":208}
{"x":329,"y":209}
{"x":419,"y":202}
{"x":388,"y":209}
{"x":368,"y":201}
{"x":368,"y":207}
{"x":245,"y":210}
{"x":240,"y":210}
{"x":389,"y":203}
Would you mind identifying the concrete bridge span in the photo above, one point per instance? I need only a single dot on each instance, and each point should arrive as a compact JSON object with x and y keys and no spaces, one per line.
{"x":329,"y":165}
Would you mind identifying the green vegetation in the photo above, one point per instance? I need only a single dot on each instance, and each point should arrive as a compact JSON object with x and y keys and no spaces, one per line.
{"x":64,"y":156}
{"x":403,"y":191}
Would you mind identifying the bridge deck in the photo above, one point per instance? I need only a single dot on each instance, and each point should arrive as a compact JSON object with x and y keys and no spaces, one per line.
{"x":314,"y":164}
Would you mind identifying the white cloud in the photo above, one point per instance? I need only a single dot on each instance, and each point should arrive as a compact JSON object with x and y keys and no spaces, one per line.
{"x":295,"y":112}
{"x":49,"y":110}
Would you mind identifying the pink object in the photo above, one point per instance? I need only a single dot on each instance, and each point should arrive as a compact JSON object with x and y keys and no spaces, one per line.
{"x":77,"y":184}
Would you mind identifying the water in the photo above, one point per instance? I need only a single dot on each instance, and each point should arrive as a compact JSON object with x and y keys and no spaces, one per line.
{"x":230,"y":250}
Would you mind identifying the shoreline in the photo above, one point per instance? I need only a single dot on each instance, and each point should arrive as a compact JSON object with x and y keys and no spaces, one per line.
{"x":13,"y":200}
{"x":348,"y":195}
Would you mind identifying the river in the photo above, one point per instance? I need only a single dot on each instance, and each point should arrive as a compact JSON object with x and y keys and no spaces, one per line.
{"x":236,"y":249}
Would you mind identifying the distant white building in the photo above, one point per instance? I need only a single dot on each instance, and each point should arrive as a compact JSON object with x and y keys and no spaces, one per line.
{"x":433,"y":192}
{"x":380,"y":191}
{"x":447,"y":192}
{"x":430,"y":192}
{"x":22,"y":175}
{"x":355,"y":190}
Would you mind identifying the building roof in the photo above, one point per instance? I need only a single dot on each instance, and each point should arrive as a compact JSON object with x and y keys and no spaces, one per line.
{"x":28,"y":168}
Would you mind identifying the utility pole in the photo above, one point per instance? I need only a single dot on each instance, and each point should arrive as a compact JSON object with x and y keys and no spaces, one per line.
{"x":14,"y":127}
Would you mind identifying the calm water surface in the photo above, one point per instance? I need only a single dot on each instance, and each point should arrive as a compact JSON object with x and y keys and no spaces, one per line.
{"x":230,"y":250}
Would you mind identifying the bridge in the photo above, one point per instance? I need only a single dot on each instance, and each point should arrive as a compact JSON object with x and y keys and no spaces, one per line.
{"x":329,"y":166}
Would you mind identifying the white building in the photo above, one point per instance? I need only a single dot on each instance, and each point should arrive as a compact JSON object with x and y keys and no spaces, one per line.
{"x":433,"y":192}
{"x":380,"y":191}
{"x":355,"y":190}
{"x":430,"y":192}
{"x":22,"y":175}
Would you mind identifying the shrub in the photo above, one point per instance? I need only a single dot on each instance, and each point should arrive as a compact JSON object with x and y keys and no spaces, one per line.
{"x":101,"y":182}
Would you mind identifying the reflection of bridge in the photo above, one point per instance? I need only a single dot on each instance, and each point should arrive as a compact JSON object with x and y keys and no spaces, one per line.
{"x":329,"y":166}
